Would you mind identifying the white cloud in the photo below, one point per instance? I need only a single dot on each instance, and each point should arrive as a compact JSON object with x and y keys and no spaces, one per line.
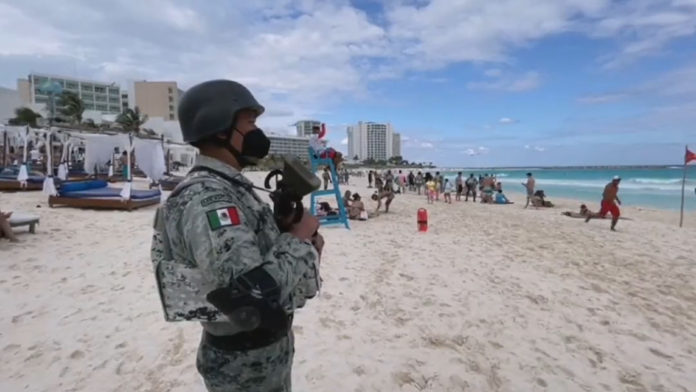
{"x":527,"y":146}
{"x":470,"y":152}
{"x":427,"y":145}
{"x":602,"y":98}
{"x":507,"y":120}
{"x":264,"y":44}
{"x":539,"y":148}
{"x":483,"y":150}
{"x":344,"y":141}
{"x":511,"y":83}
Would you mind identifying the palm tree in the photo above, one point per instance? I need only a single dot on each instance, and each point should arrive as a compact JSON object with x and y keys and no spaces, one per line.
{"x":131,"y":119}
{"x":71,"y":106}
{"x":25,"y":116}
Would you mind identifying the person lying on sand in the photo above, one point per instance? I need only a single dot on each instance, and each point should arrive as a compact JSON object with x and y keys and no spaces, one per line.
{"x":5,"y":228}
{"x":584,"y":212}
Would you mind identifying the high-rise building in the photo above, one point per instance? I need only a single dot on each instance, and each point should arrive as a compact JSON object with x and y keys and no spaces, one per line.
{"x":97,"y":96}
{"x":396,"y":144}
{"x":289,"y":145}
{"x":9,"y":101}
{"x":156,"y":99}
{"x":305,"y":128}
{"x":369,"y":140}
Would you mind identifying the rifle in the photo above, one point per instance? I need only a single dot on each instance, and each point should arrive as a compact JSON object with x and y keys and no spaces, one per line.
{"x":295,"y":182}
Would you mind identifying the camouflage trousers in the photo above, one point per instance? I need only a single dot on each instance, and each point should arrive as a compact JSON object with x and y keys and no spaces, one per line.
{"x":267,"y":369}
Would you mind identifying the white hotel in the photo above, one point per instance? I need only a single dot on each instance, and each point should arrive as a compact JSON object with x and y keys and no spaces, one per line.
{"x":373,"y":140}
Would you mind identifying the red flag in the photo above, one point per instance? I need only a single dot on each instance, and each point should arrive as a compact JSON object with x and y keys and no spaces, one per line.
{"x":690,"y":156}
{"x":322,"y":133}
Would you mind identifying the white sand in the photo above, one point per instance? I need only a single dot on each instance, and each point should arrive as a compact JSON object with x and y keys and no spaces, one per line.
{"x":490,"y":298}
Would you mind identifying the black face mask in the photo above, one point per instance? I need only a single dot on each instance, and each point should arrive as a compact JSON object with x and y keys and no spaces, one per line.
{"x":255,"y":146}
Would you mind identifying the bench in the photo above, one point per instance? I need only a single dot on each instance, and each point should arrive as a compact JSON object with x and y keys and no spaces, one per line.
{"x":19,"y":219}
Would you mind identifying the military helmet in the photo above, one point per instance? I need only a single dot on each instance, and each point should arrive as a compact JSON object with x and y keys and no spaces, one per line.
{"x":210,"y":107}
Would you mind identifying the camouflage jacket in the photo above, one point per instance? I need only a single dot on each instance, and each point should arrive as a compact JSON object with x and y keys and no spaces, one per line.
{"x":213,"y":231}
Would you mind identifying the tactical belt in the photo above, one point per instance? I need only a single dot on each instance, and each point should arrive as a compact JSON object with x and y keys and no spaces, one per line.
{"x":245,"y":341}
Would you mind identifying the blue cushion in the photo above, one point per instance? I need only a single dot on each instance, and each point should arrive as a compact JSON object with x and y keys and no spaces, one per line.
{"x":82,"y":186}
{"x":108,"y":192}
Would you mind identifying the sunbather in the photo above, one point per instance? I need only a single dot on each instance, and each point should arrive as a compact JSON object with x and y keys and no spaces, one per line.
{"x":357,"y":209}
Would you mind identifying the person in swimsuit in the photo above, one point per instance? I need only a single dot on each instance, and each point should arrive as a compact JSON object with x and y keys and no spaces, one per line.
{"x":610,"y":199}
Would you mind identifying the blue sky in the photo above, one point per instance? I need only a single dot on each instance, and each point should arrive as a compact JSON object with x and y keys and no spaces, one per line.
{"x":467,"y":83}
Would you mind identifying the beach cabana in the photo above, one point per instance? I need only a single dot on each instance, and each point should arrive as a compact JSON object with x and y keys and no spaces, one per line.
{"x":19,"y":178}
{"x":97,"y":193}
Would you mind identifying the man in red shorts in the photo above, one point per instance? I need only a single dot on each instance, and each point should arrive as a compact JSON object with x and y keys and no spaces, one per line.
{"x":609,"y":199}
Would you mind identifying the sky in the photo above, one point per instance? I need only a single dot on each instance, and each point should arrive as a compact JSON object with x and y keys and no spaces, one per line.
{"x":467,"y":83}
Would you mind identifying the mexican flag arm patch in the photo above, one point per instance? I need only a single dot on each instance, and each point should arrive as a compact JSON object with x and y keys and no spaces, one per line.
{"x":228,"y":216}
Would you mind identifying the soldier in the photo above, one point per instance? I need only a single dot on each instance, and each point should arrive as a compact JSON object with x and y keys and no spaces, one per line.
{"x":219,"y":256}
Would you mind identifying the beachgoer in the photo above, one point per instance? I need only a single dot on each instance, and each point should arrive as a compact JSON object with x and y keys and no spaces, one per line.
{"x":327,"y":177}
{"x":529,"y":185}
{"x":431,"y":190}
{"x":369,"y":179}
{"x":448,"y":191}
{"x":584,"y":212}
{"x":387,"y":193}
{"x":124,"y":166}
{"x":501,"y":199}
{"x":471,"y":185}
{"x":610,"y":198}
{"x":357,"y":209}
{"x":420,"y":181}
{"x":346,"y":199}
{"x":459,"y":182}
{"x":411,"y":181}
{"x":220,"y":256}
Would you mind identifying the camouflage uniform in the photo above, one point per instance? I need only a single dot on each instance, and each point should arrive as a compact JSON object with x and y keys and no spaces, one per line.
{"x":213,"y":256}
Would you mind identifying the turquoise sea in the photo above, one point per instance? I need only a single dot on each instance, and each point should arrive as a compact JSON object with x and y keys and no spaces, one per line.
{"x":654,"y":187}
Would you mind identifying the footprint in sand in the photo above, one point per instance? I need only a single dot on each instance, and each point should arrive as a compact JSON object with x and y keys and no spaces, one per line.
{"x":11,"y":347}
{"x":77,"y":354}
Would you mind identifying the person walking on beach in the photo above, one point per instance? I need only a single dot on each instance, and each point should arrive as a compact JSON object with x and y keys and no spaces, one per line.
{"x":369,"y":179}
{"x":430,"y":190}
{"x":419,"y":182}
{"x":220,"y":257}
{"x":529,"y":185}
{"x":610,"y":199}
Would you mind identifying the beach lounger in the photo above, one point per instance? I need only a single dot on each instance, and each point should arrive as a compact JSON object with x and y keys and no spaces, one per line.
{"x":9,"y":183}
{"x":19,"y":219}
{"x":98,"y":195}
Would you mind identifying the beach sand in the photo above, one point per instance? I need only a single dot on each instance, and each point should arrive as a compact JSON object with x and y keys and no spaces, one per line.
{"x":491,"y":298}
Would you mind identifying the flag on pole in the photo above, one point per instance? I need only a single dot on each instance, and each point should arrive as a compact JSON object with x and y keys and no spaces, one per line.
{"x":690,"y":156}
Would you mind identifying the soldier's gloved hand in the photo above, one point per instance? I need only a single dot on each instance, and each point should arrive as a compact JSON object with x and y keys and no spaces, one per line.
{"x":306,"y":227}
{"x":318,"y":242}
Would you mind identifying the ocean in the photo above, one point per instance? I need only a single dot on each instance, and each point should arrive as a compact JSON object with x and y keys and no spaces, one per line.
{"x":658,"y":187}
